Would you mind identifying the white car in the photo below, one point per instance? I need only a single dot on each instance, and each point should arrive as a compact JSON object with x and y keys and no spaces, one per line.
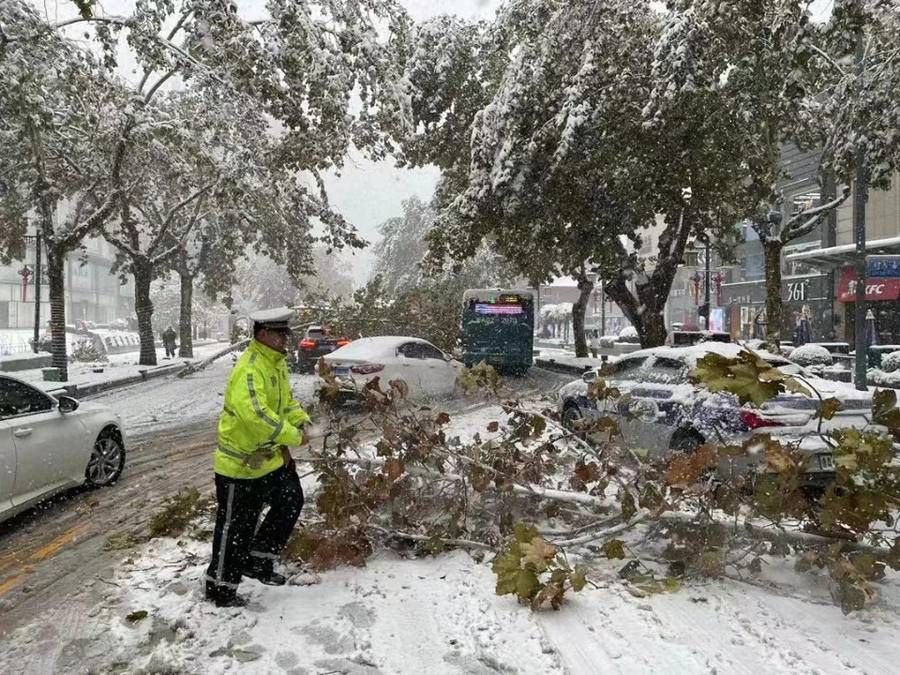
{"x":427,"y":370}
{"x":50,"y":443}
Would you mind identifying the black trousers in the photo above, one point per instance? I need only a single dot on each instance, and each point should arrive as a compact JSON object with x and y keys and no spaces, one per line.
{"x":238,"y":543}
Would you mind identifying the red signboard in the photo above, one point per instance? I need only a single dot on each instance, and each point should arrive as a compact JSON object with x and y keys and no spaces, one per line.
{"x":877,"y":288}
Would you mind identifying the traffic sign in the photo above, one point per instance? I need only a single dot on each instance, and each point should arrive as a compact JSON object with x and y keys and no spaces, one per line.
{"x":883,"y":266}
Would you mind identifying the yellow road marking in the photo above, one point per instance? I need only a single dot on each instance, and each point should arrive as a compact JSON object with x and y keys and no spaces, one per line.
{"x":9,"y":583}
{"x":58,"y":542}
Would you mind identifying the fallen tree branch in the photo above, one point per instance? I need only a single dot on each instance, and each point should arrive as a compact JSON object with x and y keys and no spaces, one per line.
{"x":205,"y":363}
{"x":465,"y":543}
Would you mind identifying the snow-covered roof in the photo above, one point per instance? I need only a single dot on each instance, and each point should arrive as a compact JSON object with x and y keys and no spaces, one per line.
{"x":836,"y":256}
{"x":693,"y":353}
{"x":382,"y":345}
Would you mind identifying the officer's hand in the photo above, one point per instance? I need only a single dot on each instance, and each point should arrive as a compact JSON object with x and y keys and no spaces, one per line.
{"x":289,"y":462}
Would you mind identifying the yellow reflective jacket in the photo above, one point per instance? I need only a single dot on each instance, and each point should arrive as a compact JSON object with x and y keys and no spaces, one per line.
{"x":260,"y":414}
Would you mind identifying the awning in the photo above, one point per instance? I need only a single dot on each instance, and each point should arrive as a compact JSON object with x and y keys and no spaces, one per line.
{"x":838,"y":256}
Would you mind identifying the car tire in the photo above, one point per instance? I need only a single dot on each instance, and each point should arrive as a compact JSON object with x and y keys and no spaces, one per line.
{"x":571,"y":414}
{"x":107,"y":459}
{"x":686,"y":442}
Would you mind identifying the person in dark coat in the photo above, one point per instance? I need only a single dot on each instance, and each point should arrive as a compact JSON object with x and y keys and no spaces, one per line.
{"x":168,"y":337}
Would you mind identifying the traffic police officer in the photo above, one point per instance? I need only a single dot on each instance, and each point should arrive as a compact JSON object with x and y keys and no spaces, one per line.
{"x":253,"y":466}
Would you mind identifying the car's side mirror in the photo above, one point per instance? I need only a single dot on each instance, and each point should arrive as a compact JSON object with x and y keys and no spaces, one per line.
{"x":67,"y":404}
{"x":589,"y":376}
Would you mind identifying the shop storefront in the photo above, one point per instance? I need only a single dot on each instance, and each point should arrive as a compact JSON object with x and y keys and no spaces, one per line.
{"x":745,"y":304}
{"x":882,"y":297}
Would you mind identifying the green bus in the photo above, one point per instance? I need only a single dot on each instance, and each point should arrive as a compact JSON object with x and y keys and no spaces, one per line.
{"x":498,"y":328}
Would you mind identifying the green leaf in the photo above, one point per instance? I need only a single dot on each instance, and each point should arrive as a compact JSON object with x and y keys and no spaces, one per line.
{"x":525,"y":533}
{"x":579,"y":578}
{"x":134,"y":617}
{"x":746,"y":376}
{"x":884,"y":409}
{"x":829,"y":408}
{"x":614,"y":549}
{"x":527,"y":585}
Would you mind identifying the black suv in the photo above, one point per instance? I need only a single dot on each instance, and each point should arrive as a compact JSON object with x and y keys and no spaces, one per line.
{"x":315,"y":343}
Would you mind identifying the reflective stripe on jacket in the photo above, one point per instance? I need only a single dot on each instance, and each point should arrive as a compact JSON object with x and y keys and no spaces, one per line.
{"x":259,"y":415}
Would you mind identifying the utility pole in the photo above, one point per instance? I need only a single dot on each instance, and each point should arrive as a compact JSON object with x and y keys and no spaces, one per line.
{"x":706,"y":285}
{"x":860,"y":196}
{"x":37,"y":289}
{"x":602,"y":307}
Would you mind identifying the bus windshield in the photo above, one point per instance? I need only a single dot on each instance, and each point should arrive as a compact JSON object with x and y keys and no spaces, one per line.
{"x":498,"y":328}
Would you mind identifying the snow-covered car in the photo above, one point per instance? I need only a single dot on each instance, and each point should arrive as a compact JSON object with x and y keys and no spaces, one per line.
{"x":663,"y":412}
{"x":50,"y":443}
{"x":427,"y":370}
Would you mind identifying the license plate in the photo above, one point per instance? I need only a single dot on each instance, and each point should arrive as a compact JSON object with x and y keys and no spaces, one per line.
{"x":342,"y":371}
{"x":826,"y":462}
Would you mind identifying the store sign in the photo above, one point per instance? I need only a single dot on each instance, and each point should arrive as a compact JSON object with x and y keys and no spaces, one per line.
{"x":795,"y":291}
{"x":883,"y":266}
{"x":877,"y":288}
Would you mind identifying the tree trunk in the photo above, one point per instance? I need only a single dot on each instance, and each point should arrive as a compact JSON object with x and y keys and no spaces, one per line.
{"x":56,"y":257}
{"x":143,"y":307}
{"x":186,"y":346}
{"x":647,"y":318}
{"x":579,"y":309}
{"x":772,"y":251}
{"x":654,"y":329}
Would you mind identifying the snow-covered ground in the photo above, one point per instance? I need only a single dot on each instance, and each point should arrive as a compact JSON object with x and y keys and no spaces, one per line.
{"x":173,"y":402}
{"x":118,"y":366}
{"x":440,"y":615}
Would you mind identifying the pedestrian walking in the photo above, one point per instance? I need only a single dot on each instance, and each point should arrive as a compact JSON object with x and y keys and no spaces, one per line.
{"x":168,"y":337}
{"x":253,"y":466}
{"x":595,"y":343}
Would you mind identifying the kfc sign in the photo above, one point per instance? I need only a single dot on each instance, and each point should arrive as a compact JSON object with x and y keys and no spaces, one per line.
{"x":877,"y":288}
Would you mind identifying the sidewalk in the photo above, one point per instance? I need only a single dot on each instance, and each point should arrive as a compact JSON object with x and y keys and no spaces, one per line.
{"x":86,"y":379}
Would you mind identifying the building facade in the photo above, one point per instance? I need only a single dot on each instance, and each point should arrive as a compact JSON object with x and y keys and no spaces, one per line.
{"x":93,"y":293}
{"x":836,"y":259}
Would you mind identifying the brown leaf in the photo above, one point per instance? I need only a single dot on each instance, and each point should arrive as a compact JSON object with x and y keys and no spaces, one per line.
{"x":686,"y":469}
{"x":393,"y":468}
{"x":538,"y":552}
{"x":493,"y":427}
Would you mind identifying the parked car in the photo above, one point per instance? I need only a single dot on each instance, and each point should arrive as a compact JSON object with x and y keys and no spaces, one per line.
{"x":427,"y":370}
{"x":666,"y":413}
{"x":315,"y":343}
{"x":50,"y":443}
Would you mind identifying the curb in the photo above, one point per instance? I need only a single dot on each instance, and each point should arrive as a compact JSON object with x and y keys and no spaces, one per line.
{"x":565,"y":368}
{"x":86,"y":390}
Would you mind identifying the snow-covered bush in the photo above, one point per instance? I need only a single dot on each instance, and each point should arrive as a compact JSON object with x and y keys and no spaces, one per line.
{"x":811,"y":355}
{"x":891,"y":362}
{"x":629,"y":334}
{"x":86,"y":351}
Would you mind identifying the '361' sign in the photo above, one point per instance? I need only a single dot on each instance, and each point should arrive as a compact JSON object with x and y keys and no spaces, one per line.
{"x":796,"y":291}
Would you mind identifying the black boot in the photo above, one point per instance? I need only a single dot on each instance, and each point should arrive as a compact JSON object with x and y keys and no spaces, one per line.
{"x":265,"y":573}
{"x":224,"y":597}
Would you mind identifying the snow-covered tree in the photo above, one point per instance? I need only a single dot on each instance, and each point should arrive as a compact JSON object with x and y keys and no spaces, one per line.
{"x":401,"y":256}
{"x":60,"y":115}
{"x":562,"y":164}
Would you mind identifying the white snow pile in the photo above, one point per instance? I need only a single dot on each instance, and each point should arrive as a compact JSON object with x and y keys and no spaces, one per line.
{"x":811,"y":355}
{"x":441,"y":615}
{"x":891,"y":362}
{"x":881,"y":378}
{"x":628,"y":334}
